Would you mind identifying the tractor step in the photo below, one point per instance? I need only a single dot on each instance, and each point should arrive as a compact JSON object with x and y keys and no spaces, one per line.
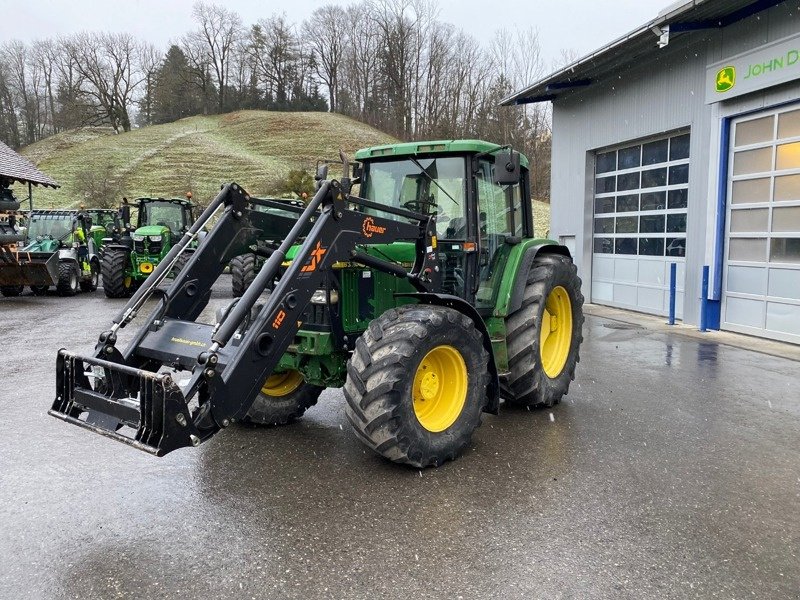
{"x":140,"y":408}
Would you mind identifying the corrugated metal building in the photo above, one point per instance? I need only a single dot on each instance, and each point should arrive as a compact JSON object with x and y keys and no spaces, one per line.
{"x":680,"y":143}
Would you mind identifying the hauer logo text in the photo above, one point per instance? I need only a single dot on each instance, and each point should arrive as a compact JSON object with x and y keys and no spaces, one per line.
{"x":369,"y":228}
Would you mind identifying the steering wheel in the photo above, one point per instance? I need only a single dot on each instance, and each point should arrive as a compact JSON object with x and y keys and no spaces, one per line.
{"x":418,"y":205}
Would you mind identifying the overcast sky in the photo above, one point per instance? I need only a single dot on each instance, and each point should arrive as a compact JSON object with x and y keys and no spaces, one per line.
{"x":579,"y":25}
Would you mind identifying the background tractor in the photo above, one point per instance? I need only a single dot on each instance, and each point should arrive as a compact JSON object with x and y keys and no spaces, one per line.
{"x":62,"y":244}
{"x":427,"y":299}
{"x":131,"y":255}
{"x":245,"y":267}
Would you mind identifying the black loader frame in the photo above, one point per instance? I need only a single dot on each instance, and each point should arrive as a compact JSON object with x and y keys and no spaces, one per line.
{"x":114,"y":389}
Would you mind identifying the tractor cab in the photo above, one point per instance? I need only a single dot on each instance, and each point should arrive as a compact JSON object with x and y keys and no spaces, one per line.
{"x":476,"y":191}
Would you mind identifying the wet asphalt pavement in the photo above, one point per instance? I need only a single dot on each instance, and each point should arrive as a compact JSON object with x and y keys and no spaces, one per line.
{"x":671,"y":470}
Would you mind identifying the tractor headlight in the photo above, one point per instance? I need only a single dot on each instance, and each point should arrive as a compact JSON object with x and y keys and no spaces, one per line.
{"x":321,"y":297}
{"x":154,"y":238}
{"x":138,"y":238}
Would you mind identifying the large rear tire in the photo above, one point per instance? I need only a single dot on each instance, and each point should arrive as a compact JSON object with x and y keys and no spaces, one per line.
{"x":284,"y":397}
{"x":117,"y":283}
{"x":544,"y":335}
{"x":68,"y":277}
{"x":243,"y":272}
{"x":417,"y":384}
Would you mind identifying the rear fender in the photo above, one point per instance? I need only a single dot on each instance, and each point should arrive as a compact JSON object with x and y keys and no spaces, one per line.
{"x":462,"y":306}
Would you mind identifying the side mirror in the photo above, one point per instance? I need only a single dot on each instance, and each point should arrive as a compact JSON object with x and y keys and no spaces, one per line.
{"x":321,"y":175}
{"x":506,"y":168}
{"x":358,"y":170}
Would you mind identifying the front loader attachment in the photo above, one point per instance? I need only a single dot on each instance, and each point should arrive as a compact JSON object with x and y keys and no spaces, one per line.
{"x":180,"y":381}
{"x":142,"y":409}
{"x":23,"y":268}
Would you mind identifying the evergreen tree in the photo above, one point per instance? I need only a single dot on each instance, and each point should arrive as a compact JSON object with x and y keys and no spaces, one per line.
{"x":173,"y":95}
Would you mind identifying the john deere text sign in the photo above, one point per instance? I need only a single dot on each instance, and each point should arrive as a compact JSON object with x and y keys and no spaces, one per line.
{"x":764,"y":67}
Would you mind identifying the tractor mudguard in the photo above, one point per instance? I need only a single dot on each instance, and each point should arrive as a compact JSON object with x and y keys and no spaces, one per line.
{"x":462,"y":306}
{"x":511,"y":299}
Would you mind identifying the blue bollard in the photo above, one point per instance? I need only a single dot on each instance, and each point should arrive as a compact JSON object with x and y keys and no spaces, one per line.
{"x":704,"y":300}
{"x":673,"y":284}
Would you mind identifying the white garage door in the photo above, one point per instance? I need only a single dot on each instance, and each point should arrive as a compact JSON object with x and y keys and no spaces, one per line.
{"x":640,"y":200}
{"x":762,"y":274}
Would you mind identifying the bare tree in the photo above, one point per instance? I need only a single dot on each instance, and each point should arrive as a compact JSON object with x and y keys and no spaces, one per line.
{"x":200,"y":67}
{"x":149,"y":61}
{"x":325,"y":34}
{"x":107,"y":64}
{"x":219,"y":29}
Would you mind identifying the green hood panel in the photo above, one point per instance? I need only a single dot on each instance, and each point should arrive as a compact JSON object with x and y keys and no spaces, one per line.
{"x":152,"y":230}
{"x":402,"y":252}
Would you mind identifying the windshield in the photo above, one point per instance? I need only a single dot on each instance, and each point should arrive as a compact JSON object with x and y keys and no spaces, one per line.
{"x":404,"y":184}
{"x":55,"y":228}
{"x":168,"y":214}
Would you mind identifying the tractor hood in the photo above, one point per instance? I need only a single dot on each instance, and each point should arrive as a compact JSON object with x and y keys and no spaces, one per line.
{"x":149,"y":230}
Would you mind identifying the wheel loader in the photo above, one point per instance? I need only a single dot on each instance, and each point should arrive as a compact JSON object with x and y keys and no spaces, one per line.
{"x":61,"y":250}
{"x":426,"y":297}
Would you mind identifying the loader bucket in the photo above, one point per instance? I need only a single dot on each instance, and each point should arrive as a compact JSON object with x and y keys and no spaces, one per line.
{"x":140,"y":408}
{"x":29,"y":270}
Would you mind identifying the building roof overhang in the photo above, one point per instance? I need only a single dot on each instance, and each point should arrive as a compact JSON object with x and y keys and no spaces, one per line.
{"x":674,"y":22}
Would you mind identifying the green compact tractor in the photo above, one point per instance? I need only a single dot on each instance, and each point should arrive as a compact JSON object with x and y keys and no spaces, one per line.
{"x":427,"y":299}
{"x":130,"y":258}
{"x":62,"y":251}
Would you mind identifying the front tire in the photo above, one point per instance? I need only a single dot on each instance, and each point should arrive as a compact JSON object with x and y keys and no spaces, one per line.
{"x":68,"y":277}
{"x":417,"y":384}
{"x":283,"y":398}
{"x":544,"y":335}
{"x":243,"y":272}
{"x":117,"y":282}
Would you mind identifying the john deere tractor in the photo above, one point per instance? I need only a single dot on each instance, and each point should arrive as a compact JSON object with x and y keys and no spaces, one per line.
{"x":245,"y":267}
{"x":133,"y":254}
{"x":428,"y":299}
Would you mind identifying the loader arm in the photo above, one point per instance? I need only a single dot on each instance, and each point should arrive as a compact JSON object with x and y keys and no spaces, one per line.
{"x":130,"y":395}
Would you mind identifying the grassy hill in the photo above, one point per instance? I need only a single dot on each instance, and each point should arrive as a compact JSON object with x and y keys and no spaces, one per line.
{"x":254,"y":148}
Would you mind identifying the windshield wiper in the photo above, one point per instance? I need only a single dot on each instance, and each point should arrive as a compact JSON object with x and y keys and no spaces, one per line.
{"x":432,"y":180}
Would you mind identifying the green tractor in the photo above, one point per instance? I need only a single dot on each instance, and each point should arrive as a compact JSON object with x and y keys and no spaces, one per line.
{"x":62,"y":250}
{"x":427,"y":298}
{"x":130,"y":257}
{"x":245,"y":267}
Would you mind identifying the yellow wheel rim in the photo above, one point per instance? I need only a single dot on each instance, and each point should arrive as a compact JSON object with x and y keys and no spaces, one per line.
{"x":440,"y":388}
{"x":555,"y":335}
{"x":281,"y":384}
